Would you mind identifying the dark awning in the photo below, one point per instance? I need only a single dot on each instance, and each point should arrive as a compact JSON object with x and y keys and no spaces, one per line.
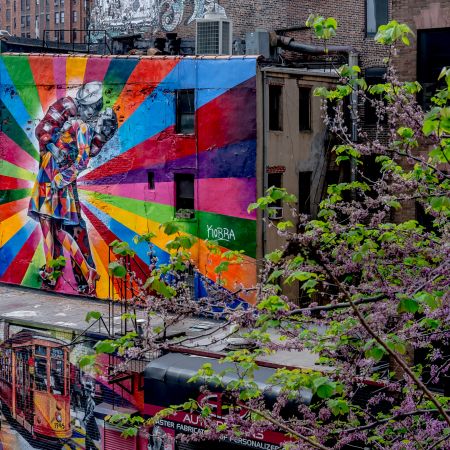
{"x":166,"y":379}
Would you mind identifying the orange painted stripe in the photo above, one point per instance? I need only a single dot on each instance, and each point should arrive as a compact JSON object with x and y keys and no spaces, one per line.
{"x":100,"y":252}
{"x":141,"y":83}
{"x":237,"y":275}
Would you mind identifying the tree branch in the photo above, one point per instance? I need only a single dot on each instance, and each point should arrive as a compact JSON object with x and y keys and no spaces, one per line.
{"x":286,"y":428}
{"x":380,"y":341}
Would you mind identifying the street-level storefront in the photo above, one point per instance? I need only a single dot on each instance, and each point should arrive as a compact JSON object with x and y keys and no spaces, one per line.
{"x":166,"y":383}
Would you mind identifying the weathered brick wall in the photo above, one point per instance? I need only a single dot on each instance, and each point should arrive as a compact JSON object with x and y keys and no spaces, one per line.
{"x":419,"y":15}
{"x":351,"y":16}
{"x":272,"y":15}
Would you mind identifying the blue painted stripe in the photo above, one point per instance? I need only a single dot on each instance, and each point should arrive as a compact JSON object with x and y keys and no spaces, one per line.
{"x":125,"y":234}
{"x":10,"y":249}
{"x":211,"y":78}
{"x":14,"y":103}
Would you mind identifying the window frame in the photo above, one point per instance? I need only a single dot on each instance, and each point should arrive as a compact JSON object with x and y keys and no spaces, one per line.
{"x":308,"y":127}
{"x":371,"y":34}
{"x":179,"y":128}
{"x":181,"y":211}
{"x":276,"y":125}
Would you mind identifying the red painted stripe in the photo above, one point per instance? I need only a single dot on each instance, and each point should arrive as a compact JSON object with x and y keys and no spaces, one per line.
{"x":163,"y":146}
{"x":228,"y":119}
{"x":11,"y":208}
{"x":11,"y":152}
{"x":19,"y":266}
{"x":145,"y":77}
{"x":42,"y":68}
{"x":7,"y":183}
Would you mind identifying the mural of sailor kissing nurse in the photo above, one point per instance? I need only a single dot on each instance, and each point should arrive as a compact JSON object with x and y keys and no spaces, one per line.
{"x":72,"y":131}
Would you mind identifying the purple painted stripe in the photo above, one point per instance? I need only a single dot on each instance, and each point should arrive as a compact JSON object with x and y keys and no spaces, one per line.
{"x":233,"y":161}
{"x":96,"y":69}
{"x":229,"y":196}
{"x":59,"y":72}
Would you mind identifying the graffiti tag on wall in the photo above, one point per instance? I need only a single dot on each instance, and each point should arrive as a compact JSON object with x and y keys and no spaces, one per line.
{"x":125,"y":15}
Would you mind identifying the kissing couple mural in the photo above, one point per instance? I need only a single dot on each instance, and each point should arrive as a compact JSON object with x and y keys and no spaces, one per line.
{"x":73,"y":131}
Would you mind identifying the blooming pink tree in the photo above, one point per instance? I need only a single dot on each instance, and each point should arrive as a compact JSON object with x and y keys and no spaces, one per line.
{"x":379,"y":306}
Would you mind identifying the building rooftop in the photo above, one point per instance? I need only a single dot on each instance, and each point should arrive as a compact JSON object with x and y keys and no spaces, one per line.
{"x":46,"y":310}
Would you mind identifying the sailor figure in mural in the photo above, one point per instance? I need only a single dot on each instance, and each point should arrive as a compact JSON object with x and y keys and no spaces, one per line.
{"x":72,"y":131}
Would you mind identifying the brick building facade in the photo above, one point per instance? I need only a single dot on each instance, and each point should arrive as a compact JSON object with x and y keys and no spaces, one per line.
{"x":58,"y":20}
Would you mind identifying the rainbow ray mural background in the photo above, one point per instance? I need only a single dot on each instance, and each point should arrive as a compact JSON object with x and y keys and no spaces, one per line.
{"x":82,"y":136}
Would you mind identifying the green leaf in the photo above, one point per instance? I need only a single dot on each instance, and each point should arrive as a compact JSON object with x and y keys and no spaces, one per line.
{"x":408,"y":305}
{"x":325,"y":391}
{"x":275,"y":275}
{"x":376,"y":353}
{"x":284,"y":225}
{"x":93,"y":315}
{"x":275,"y":256}
{"x":169,"y":228}
{"x":117,"y":270}
{"x":105,"y":346}
{"x":86,"y":361}
{"x":222,"y":267}
{"x":338,"y":406}
{"x":405,"y":132}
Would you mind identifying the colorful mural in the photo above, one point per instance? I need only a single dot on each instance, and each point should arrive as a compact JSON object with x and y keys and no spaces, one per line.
{"x":48,"y":402}
{"x":90,"y":153}
{"x":133,"y":15}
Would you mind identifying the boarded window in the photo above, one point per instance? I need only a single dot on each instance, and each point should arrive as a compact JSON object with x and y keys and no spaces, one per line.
{"x":275,"y":107}
{"x":185,"y":111}
{"x":304,"y":108}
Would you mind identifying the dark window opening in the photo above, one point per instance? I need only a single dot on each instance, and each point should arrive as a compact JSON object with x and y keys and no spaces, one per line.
{"x":423,"y":218}
{"x":275,"y":107}
{"x":376,"y":14}
{"x":184,"y":203}
{"x":151,"y":180}
{"x":304,"y":110}
{"x":433,"y":53}
{"x":185,"y":111}
{"x":304,"y":192}
{"x":332,"y":177}
{"x":276,"y":209}
{"x":373,"y":76}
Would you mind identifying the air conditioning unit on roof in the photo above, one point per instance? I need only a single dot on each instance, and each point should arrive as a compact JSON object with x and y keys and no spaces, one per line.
{"x":213,"y":37}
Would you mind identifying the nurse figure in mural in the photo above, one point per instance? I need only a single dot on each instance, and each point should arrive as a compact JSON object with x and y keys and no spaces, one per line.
{"x":73,"y":131}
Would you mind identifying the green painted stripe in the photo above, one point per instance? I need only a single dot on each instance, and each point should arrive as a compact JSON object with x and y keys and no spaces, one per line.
{"x":119,"y":70}
{"x":12,"y":129}
{"x":231,"y":232}
{"x":13,"y":195}
{"x":11,"y":170}
{"x":32,"y":278}
{"x":21,"y":75}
